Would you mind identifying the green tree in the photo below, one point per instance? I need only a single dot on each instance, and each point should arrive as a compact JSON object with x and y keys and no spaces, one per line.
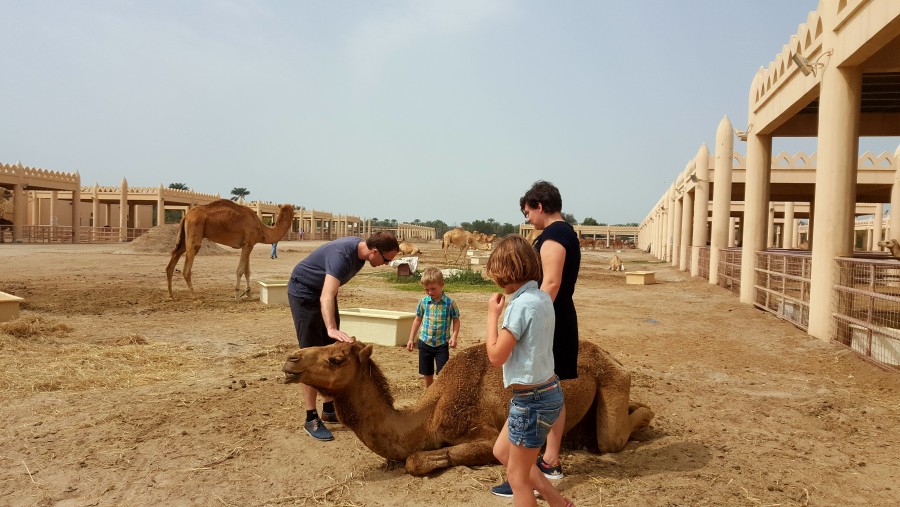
{"x":238,"y":193}
{"x":570,"y":218}
{"x":179,"y":186}
{"x":589,"y":221}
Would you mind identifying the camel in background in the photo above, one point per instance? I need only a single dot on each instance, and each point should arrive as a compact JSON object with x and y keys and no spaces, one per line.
{"x":228,"y":223}
{"x":462,"y":239}
{"x":407,"y":248}
{"x":458,"y":419}
{"x":893,"y":245}
{"x":615,"y":264}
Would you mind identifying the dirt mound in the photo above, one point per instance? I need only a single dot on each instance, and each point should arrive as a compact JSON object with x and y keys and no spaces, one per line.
{"x":162,"y":239}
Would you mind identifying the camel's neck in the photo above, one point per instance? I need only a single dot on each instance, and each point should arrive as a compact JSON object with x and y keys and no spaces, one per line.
{"x":276,"y":232}
{"x":369,"y":411}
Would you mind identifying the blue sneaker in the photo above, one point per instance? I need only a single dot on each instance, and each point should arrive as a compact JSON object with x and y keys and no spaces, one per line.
{"x":552,"y":472}
{"x":316,"y":429}
{"x":504,"y":490}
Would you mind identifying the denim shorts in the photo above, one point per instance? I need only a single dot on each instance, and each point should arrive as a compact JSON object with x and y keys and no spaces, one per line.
{"x":532,"y":412}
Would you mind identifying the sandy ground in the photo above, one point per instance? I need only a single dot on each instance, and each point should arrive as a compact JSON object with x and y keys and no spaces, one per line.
{"x":114,"y":395}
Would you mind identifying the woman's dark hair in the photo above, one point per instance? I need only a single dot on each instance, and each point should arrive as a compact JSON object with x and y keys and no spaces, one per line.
{"x":543,"y":194}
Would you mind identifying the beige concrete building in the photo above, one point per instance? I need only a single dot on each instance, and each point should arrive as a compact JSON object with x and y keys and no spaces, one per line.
{"x":836,"y":79}
{"x":51,"y":206}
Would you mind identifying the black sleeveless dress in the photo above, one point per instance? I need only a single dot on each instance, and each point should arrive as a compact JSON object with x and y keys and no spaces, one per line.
{"x":565,"y":336}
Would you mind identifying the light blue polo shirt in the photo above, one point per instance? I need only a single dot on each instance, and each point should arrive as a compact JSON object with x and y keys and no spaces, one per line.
{"x":530,"y":318}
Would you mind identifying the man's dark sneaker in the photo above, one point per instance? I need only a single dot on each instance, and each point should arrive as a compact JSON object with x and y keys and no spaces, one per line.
{"x":550,"y":472}
{"x":330,"y":417}
{"x":504,"y":490}
{"x":317,"y":430}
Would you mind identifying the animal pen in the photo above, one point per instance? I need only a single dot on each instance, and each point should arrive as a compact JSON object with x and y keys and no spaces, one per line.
{"x":865,"y":301}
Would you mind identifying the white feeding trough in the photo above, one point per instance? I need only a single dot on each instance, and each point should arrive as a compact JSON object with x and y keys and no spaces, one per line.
{"x":9,"y":306}
{"x":384,"y":327}
{"x":273,"y":292}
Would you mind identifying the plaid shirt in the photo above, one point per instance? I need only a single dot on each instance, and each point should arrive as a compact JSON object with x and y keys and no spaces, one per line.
{"x":436,"y":318}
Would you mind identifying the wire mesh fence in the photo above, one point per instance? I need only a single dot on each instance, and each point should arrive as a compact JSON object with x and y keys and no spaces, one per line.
{"x":703,"y":262}
{"x":782,"y":285}
{"x":866,"y":308}
{"x":730,"y":270}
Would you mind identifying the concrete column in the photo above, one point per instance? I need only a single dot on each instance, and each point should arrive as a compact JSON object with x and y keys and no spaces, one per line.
{"x":160,"y":206}
{"x":687,"y":225}
{"x":676,"y":230}
{"x":35,"y":210}
{"x":838,"y":146}
{"x":123,"y":211}
{"x":756,"y":206}
{"x":795,"y":241}
{"x":789,"y":226}
{"x":670,"y":223}
{"x":76,"y":212}
{"x":95,"y":206}
{"x":732,"y":225}
{"x":895,"y":200}
{"x":701,"y":207}
{"x":20,"y":211}
{"x":867,"y":242}
{"x":54,"y":209}
{"x":770,"y":227}
{"x":878,"y":225}
{"x":721,"y":195}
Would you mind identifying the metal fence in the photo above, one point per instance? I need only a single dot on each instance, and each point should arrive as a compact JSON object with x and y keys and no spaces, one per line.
{"x":866,"y":308}
{"x":703,"y":258}
{"x":782,"y":285}
{"x":729,"y":269}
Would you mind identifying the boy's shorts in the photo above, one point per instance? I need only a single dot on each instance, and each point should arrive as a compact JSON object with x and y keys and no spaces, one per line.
{"x":308,"y":322}
{"x":532,"y":412}
{"x":429,"y":355}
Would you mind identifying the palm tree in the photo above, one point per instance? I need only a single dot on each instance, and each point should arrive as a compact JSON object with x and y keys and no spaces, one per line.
{"x":179,"y":186}
{"x":239,"y":193}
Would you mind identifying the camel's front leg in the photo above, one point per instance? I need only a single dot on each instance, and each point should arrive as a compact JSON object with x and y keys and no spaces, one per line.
{"x":480,"y":452}
{"x":243,"y":269}
{"x":617,"y":416}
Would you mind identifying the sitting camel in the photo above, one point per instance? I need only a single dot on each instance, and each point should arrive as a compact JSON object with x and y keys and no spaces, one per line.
{"x":893,"y":245}
{"x":615,"y":264}
{"x":407,"y":248}
{"x":457,"y":421}
{"x":226,"y":222}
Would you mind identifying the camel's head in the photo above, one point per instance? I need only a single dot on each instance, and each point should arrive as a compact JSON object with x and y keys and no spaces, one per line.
{"x":891,"y":243}
{"x":330,"y":369}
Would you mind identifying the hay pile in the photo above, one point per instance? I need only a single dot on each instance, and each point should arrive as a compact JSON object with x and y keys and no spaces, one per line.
{"x":162,"y":239}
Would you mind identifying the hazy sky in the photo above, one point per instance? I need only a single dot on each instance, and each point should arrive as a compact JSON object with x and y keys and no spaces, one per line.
{"x":390,"y":109}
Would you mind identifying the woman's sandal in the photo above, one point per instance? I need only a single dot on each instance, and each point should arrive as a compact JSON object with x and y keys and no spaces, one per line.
{"x":569,"y":503}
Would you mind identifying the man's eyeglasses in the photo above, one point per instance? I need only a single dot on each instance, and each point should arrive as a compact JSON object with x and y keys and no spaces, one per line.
{"x":383,"y":258}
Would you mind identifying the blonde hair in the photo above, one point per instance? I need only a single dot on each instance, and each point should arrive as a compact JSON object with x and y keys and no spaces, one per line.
{"x":513,"y":260}
{"x":432,"y":275}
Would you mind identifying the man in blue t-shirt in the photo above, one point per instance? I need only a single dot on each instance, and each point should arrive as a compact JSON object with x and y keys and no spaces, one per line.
{"x":312,"y":294}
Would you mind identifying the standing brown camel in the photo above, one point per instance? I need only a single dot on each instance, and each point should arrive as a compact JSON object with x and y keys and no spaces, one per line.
{"x":228,"y":223}
{"x":457,"y":420}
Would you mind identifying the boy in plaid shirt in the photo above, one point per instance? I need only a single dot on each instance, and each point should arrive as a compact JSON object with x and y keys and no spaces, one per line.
{"x":438,"y":313}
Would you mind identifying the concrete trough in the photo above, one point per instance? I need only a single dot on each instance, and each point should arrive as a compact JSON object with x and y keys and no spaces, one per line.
{"x":273,"y":292}
{"x":384,"y":327}
{"x":640,"y":277}
{"x":9,"y":306}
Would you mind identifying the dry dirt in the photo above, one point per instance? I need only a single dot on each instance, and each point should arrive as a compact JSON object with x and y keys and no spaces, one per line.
{"x":114,"y":395}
